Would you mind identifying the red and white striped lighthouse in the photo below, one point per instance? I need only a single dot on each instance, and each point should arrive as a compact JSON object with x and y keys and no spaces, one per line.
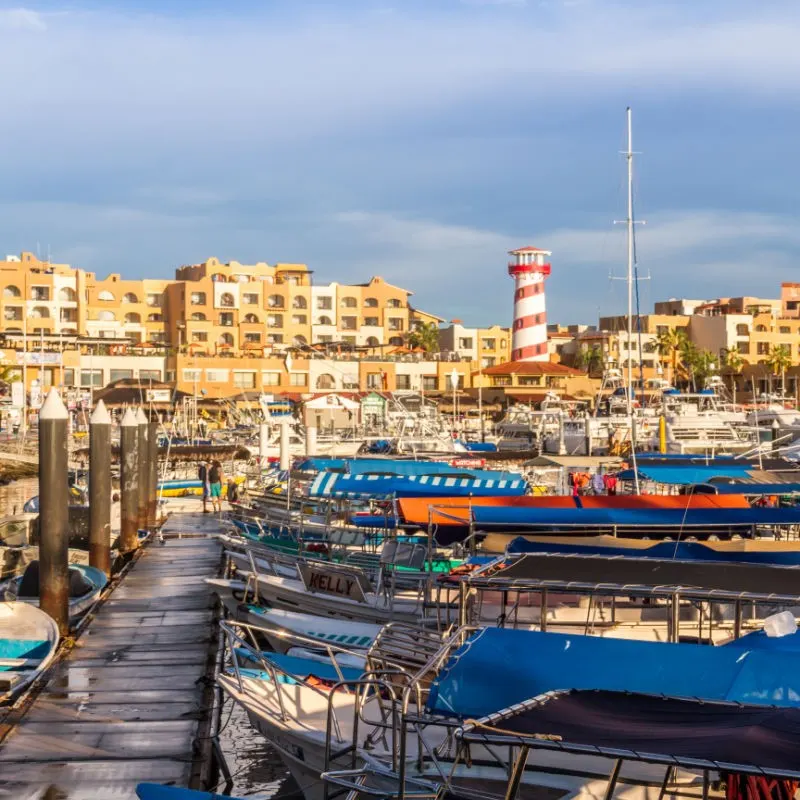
{"x":529,"y":268}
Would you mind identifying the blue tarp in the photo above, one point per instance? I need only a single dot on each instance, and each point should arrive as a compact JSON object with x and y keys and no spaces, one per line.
{"x":694,"y":473}
{"x":364,"y":466}
{"x":337,"y":484}
{"x":758,"y":640}
{"x":756,"y":488}
{"x":499,"y":667}
{"x":678,"y":551}
{"x":628,"y":517}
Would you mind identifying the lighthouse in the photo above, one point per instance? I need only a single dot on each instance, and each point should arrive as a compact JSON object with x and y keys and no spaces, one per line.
{"x":529,"y":267}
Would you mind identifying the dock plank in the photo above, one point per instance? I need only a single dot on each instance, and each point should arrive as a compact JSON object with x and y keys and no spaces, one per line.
{"x":125,"y":705}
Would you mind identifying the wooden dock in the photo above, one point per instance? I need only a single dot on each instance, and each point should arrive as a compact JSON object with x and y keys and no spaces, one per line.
{"x":130,"y":701}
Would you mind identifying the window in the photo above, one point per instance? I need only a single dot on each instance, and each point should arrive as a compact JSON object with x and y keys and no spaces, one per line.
{"x":40,"y":293}
{"x":226,"y":319}
{"x":252,"y":338}
{"x":154,"y":299}
{"x":274,"y":301}
{"x":250,"y":299}
{"x":373,"y":341}
{"x":192,"y":374}
{"x":349,"y":339}
{"x":530,"y":380}
{"x":430,"y":383}
{"x":326,"y":381}
{"x":403,"y":381}
{"x":298,"y":379}
{"x":463,"y":343}
{"x":69,"y":377}
{"x":393,"y":302}
{"x":324,"y":303}
{"x":349,"y":302}
{"x":217,"y":375}
{"x":371,"y":302}
{"x":299,"y":341}
{"x":198,"y":316}
{"x":742,"y":330}
{"x":67,"y":295}
{"x":488,"y":361}
{"x":396,"y":341}
{"x":132,"y":319}
{"x":371,"y":321}
{"x":275,"y":320}
{"x":375,"y":380}
{"x":251,"y":319}
{"x":743,"y":348}
{"x":662,"y":329}
{"x":150,"y":317}
{"x":130,"y":297}
{"x":299,"y":319}
{"x":761,"y":328}
{"x":762,"y":348}
{"x":349,"y":323}
{"x":91,"y":377}
{"x":11,"y":291}
{"x":501,"y":380}
{"x":488,"y":344}
{"x":196,"y":298}
{"x":299,"y":302}
{"x":42,"y":312}
{"x":157,"y":337}
{"x":227,"y":300}
{"x":325,"y":321}
{"x":106,"y":296}
{"x":121,"y":374}
{"x":785,"y":329}
{"x":274,"y":338}
{"x":226,"y":339}
{"x":149,"y":374}
{"x":199,"y":336}
{"x":325,"y":338}
{"x":396,"y":324}
{"x":12,"y":313}
{"x":270,"y":379}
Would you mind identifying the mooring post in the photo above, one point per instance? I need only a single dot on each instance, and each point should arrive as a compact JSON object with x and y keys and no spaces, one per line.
{"x":54,"y":511}
{"x":129,"y":481}
{"x":152,"y":481}
{"x":144,"y":467}
{"x":100,"y":488}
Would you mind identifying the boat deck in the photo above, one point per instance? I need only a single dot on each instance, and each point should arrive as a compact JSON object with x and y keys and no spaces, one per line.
{"x":130,"y":700}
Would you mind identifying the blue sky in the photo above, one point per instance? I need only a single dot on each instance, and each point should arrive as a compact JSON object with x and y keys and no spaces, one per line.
{"x":415,"y":140}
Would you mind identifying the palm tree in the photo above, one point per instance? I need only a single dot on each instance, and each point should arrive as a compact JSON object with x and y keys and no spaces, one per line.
{"x":733,"y":363}
{"x":669,"y":344}
{"x":779,"y":360}
{"x":425,"y":337}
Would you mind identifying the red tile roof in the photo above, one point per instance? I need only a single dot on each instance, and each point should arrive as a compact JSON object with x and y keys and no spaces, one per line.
{"x":530,"y":368}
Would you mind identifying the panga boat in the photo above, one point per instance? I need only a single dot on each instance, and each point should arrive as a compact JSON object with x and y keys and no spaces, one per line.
{"x":85,"y":585}
{"x":28,"y":642}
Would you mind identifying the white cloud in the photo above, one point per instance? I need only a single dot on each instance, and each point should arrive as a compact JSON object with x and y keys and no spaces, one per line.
{"x":22,"y":19}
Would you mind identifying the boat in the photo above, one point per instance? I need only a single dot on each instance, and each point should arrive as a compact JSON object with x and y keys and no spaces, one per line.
{"x":28,"y":643}
{"x":158,"y":791}
{"x":85,"y":585}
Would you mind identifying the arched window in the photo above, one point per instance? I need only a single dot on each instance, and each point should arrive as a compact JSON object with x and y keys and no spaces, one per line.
{"x":130,"y":297}
{"x":274,"y":301}
{"x":250,"y":318}
{"x":373,"y":341}
{"x":198,"y":298}
{"x":227,"y":300}
{"x":226,"y":339}
{"x":133,"y":318}
{"x":198,"y":316}
{"x":40,"y":312}
{"x":396,"y":341}
{"x":106,"y":316}
{"x":67,"y":295}
{"x":326,"y":381}
{"x":761,"y":328}
{"x":299,"y":341}
{"x":371,"y":302}
{"x":324,"y":321}
{"x":11,"y":291}
{"x":299,"y":302}
{"x":106,"y":296}
{"x":349,"y":302}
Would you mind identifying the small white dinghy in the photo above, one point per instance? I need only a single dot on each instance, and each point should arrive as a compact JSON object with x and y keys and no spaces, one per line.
{"x":28,"y":642}
{"x":85,"y":585}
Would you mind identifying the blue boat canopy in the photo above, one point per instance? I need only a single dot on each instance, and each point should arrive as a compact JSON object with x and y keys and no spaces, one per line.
{"x":694,"y":473}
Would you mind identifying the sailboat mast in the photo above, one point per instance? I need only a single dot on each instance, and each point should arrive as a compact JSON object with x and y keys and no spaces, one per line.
{"x":629,"y":157}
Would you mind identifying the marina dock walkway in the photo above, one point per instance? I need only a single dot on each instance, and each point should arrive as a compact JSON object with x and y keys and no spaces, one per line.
{"x":128,"y":702}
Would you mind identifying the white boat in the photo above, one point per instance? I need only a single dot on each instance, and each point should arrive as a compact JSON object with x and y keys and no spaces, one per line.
{"x":85,"y":585}
{"x":28,"y":643}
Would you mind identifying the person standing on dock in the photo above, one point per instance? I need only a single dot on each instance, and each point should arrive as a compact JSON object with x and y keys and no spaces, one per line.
{"x":215,"y":481}
{"x":202,"y":474}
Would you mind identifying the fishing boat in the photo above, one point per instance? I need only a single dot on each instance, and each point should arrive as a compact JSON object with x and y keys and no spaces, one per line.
{"x":85,"y":585}
{"x":28,"y":643}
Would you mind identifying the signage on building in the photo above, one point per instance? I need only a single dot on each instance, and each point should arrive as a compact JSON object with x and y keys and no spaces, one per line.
{"x":17,"y":394}
{"x":158,"y":395}
{"x":39,"y":358}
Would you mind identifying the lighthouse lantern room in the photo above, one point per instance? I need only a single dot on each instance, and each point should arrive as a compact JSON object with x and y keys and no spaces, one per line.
{"x":529,"y":267}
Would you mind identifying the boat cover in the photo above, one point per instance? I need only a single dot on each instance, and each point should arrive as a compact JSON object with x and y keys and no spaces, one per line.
{"x":336,"y":484}
{"x":683,"y":551}
{"x":634,"y":517}
{"x":756,"y":488}
{"x":156,"y":791}
{"x":79,"y":583}
{"x":655,"y":729}
{"x":690,"y":473}
{"x":758,"y":640}
{"x":721,"y":577}
{"x":389,"y":466}
{"x":499,"y":667}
